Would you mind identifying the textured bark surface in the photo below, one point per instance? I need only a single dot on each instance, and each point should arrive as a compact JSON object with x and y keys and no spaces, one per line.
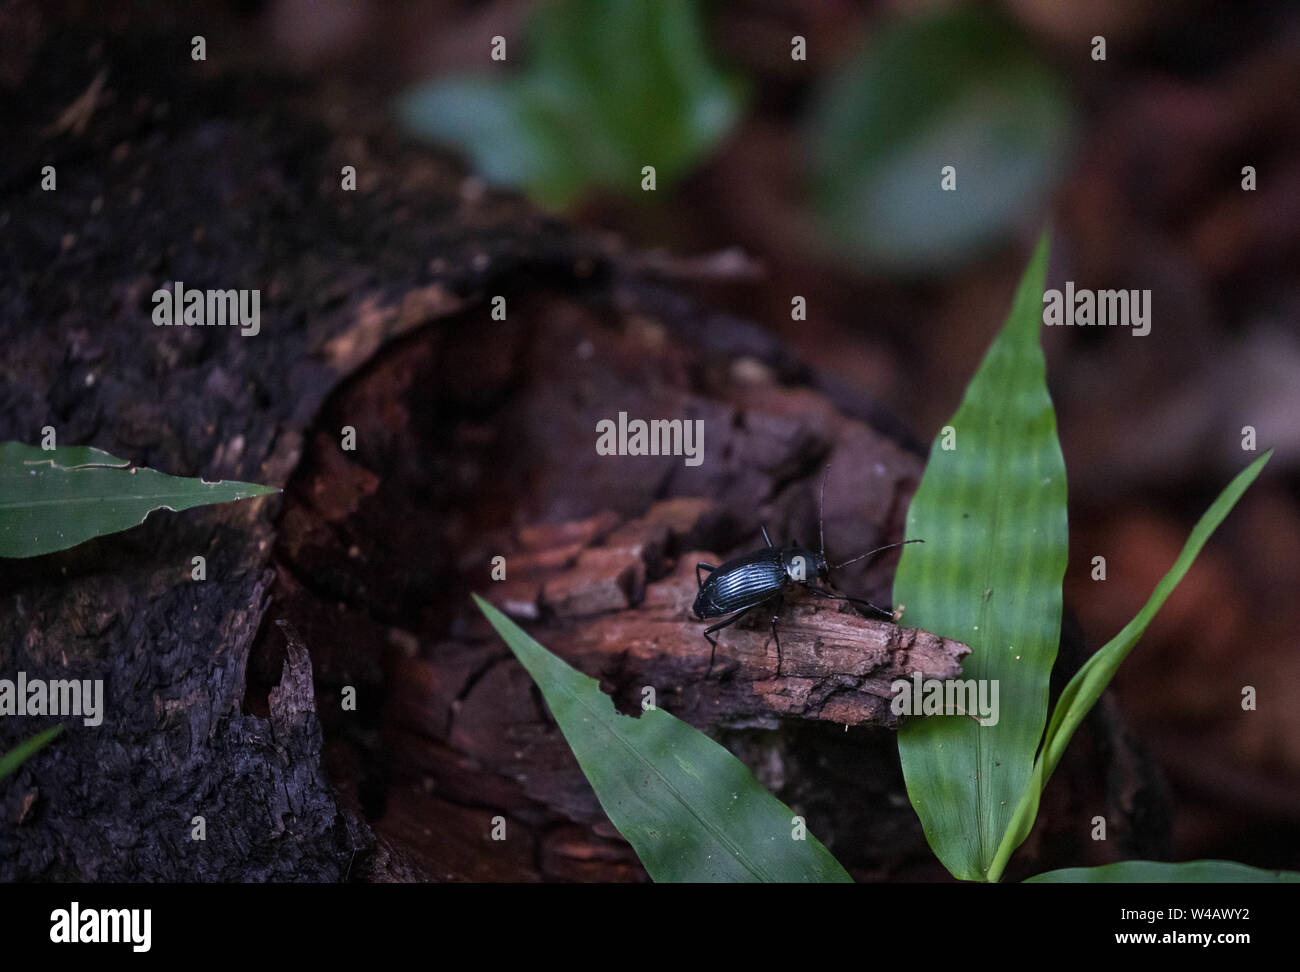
{"x":590,"y":578}
{"x":475,"y":439}
{"x":188,"y":172}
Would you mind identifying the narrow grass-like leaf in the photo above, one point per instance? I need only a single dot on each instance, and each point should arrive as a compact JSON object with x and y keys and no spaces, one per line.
{"x":690,"y":809}
{"x":992,"y":511}
{"x":11,"y":760}
{"x":1091,"y":680}
{"x":1154,"y":872}
{"x":1083,"y":691}
{"x":53,"y":499}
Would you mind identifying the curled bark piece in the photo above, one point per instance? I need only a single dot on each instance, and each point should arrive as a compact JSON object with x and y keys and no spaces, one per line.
{"x":838,"y":666}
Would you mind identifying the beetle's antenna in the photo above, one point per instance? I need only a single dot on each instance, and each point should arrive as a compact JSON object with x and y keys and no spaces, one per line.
{"x":821,"y":512}
{"x":853,"y":600}
{"x":870,"y":552}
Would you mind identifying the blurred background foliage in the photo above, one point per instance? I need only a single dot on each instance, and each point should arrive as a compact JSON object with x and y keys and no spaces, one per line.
{"x":825,"y":173}
{"x":957,"y":88}
{"x":609,"y":86}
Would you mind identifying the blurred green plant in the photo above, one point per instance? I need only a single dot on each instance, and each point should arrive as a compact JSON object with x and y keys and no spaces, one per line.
{"x":51,"y":499}
{"x":955,"y":88}
{"x":992,"y":506}
{"x":609,"y":86}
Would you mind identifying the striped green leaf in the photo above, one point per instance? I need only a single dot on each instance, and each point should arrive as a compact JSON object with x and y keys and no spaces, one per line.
{"x":690,"y":809}
{"x":53,"y":499}
{"x":992,"y":510}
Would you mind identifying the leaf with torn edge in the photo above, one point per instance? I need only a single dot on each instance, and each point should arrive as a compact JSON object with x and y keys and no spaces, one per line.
{"x":51,"y":499}
{"x":690,"y":809}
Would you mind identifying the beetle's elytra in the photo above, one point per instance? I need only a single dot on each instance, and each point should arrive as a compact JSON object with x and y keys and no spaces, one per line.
{"x":763,"y":577}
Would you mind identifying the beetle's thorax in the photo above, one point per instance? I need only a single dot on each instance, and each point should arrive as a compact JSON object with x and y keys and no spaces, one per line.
{"x":802,"y":565}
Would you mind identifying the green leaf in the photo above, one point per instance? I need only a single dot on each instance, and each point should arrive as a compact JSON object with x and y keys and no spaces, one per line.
{"x":690,"y":809}
{"x":992,"y":511}
{"x":1153,"y":872}
{"x":957,"y":88}
{"x":1083,"y":691}
{"x":53,"y":499}
{"x":11,"y":760}
{"x":610,"y":86}
{"x":482,"y":114}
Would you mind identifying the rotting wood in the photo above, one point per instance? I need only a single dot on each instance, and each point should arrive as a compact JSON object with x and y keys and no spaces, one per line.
{"x":605,"y":618}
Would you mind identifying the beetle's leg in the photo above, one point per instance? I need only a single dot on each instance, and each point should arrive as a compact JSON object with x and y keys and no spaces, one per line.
{"x":713,"y":642}
{"x":844,"y":597}
{"x":776,"y":616}
{"x":699,"y":567}
{"x":765,"y":536}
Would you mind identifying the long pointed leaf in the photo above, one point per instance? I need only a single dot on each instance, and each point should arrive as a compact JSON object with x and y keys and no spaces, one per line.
{"x":992,"y":511}
{"x":53,"y":499}
{"x":690,"y":809}
{"x":1091,"y":680}
{"x":1083,"y":691}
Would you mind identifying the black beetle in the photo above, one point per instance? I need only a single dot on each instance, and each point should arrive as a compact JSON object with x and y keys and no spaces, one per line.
{"x":741,"y":584}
